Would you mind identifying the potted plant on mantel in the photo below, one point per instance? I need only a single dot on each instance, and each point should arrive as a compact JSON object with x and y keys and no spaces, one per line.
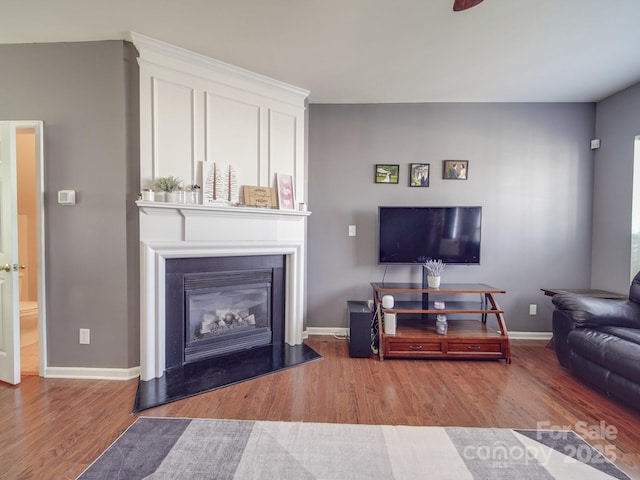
{"x":434,"y":270}
{"x":169,"y":185}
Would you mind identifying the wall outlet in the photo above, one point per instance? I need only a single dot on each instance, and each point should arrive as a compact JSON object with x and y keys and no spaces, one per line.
{"x":533,"y":309}
{"x":85,"y":336}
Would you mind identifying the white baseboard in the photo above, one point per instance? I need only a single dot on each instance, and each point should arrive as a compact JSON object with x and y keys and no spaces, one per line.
{"x":82,"y":373}
{"x":332,"y":331}
{"x":530,"y":335}
{"x":341,"y":331}
{"x":134,"y":372}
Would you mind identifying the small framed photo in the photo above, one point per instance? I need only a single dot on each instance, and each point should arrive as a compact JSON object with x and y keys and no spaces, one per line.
{"x":286,"y":197}
{"x":386,"y":173}
{"x":455,"y":169}
{"x":419,"y":175}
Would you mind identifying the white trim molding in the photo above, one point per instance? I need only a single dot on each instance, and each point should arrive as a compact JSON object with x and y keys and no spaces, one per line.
{"x":161,"y":54}
{"x":83,"y":373}
{"x":530,"y":335}
{"x":330,"y":331}
{"x":343,"y":332}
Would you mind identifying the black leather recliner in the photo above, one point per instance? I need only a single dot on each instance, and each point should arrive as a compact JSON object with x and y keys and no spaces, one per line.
{"x":598,"y":340}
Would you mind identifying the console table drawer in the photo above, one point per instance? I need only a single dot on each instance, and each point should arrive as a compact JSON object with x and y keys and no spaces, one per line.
{"x":475,"y":347}
{"x":399,"y":346}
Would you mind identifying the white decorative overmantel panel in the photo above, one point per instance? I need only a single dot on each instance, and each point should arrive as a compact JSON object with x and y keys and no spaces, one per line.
{"x":181,"y":231}
{"x":195,"y":109}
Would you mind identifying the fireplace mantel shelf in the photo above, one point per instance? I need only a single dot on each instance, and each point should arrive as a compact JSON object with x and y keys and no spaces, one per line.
{"x":155,"y":208}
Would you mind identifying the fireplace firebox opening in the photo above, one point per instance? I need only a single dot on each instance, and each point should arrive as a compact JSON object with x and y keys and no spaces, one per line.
{"x":220,"y":305}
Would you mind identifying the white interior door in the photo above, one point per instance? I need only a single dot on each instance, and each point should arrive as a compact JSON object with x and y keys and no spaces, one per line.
{"x":9,"y":295}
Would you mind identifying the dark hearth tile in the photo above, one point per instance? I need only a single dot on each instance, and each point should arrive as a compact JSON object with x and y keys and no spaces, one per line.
{"x":207,"y":375}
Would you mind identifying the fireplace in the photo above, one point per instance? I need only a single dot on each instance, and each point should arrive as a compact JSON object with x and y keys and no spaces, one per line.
{"x":220,"y":305}
{"x":189,"y":232}
{"x":243,"y":252}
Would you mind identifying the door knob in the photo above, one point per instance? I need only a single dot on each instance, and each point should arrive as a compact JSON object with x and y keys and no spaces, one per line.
{"x":7,"y":268}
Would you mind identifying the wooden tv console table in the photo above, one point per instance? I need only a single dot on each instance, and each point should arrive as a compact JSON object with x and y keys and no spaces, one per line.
{"x":469,"y":335}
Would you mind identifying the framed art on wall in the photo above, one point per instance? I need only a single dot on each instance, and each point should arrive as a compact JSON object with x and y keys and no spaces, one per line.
{"x":386,"y":173}
{"x":419,"y":175}
{"x":455,"y":169}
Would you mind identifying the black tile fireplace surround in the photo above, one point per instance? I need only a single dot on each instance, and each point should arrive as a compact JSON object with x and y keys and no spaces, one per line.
{"x":224,"y":273}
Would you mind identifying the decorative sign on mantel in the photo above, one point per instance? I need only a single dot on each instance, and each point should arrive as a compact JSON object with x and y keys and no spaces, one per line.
{"x":259,"y":196}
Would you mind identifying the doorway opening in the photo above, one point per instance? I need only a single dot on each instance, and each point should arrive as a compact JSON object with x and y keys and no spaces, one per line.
{"x":27,"y":195}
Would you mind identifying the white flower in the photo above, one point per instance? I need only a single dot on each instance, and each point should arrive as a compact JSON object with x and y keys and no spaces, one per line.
{"x":435,"y":267}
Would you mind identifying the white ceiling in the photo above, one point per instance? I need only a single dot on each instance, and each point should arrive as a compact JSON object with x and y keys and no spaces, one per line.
{"x":375,"y":51}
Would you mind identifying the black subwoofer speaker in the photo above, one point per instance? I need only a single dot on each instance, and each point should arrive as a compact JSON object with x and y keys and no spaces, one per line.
{"x":359,"y":318}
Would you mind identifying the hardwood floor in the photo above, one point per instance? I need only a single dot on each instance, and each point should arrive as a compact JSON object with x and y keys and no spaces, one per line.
{"x":29,"y":354}
{"x":55,"y":428}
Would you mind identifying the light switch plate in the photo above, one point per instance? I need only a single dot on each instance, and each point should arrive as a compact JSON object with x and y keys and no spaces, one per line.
{"x":85,"y":336}
{"x":67,"y":197}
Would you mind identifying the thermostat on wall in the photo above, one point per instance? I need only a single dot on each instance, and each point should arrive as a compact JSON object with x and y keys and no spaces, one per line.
{"x":67,"y":197}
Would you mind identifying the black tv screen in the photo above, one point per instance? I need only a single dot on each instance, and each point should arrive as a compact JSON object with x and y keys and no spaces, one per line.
{"x":413,"y":234}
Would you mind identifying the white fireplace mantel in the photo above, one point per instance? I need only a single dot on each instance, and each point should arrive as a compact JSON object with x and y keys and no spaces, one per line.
{"x":197,"y":111}
{"x":180,"y":231}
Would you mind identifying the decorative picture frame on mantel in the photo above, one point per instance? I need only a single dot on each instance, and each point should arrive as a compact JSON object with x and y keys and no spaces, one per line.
{"x":419,"y":175}
{"x":455,"y":169}
{"x":286,"y":196}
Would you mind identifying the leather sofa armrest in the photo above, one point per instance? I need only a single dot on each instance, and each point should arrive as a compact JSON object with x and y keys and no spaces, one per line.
{"x":562,"y":325}
{"x":597,"y":312}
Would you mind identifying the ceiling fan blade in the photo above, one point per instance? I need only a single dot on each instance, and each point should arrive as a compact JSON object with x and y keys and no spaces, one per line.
{"x":459,"y":5}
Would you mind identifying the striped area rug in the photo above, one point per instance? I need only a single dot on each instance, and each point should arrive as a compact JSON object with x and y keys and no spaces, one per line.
{"x":178,"y":448}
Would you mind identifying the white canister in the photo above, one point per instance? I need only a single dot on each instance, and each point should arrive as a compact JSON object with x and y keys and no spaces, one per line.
{"x":148,"y":195}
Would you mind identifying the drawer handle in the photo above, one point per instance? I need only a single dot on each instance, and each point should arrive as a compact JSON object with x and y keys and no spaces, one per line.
{"x":473,"y":347}
{"x":415,"y":347}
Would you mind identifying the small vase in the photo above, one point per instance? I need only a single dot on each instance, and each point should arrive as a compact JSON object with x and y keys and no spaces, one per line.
{"x":433,"y":282}
{"x":172,"y":197}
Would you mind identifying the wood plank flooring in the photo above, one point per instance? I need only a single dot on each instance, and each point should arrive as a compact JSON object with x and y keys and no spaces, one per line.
{"x":29,"y":354}
{"x":55,"y":428}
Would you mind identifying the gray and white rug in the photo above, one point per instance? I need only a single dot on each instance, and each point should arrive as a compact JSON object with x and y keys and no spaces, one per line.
{"x":176,"y":448}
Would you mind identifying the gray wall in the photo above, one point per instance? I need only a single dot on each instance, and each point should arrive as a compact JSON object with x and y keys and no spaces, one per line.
{"x":618,"y":122}
{"x":86,"y":95}
{"x":530,"y":168}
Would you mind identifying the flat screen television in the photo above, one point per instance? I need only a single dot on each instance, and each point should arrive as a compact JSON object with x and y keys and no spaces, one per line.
{"x":412,"y":234}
